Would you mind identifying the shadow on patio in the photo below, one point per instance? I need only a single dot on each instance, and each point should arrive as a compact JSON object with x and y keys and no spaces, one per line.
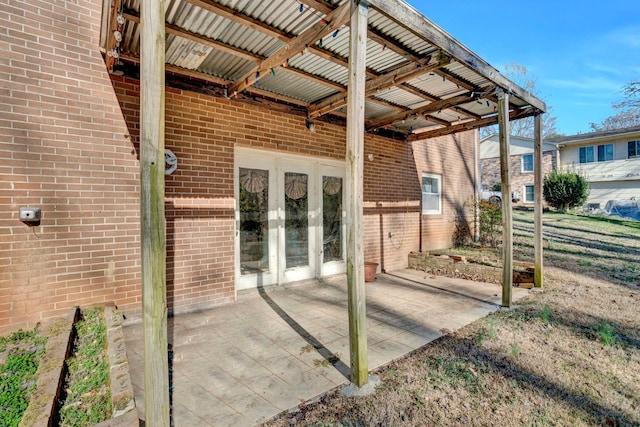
{"x":279,"y":346}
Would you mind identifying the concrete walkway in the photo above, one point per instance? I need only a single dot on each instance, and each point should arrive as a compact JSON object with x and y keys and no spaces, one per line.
{"x":241,"y":364}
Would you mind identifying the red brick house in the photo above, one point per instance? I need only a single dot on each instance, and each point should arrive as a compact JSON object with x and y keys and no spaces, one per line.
{"x":521,"y":165}
{"x":259,"y":190}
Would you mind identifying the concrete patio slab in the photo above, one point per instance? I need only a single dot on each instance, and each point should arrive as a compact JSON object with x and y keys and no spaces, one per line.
{"x":278,"y":346}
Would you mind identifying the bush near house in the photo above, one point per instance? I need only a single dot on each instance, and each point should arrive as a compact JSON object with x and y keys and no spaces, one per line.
{"x":490,"y":223}
{"x":565,"y":190}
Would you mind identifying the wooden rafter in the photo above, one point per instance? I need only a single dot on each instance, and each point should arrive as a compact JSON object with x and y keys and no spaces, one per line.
{"x":240,"y":18}
{"x":312,"y":77}
{"x":437,"y":120}
{"x":185,"y":72}
{"x":429,"y":97}
{"x":487,"y":121}
{"x":445,"y":48}
{"x":384,"y":81}
{"x":224,"y":47}
{"x":324,"y":27}
{"x":426,"y":109}
{"x":318,"y":5}
{"x":336,"y":59}
{"x":199,"y":38}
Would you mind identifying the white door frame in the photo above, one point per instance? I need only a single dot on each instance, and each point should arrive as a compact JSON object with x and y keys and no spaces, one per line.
{"x":331,"y":267}
{"x":278,"y":164}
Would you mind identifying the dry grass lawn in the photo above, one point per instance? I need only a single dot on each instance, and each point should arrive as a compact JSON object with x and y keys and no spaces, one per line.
{"x":566,"y":356}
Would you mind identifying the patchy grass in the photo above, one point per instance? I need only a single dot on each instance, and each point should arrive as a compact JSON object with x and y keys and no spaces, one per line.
{"x":88,"y":397}
{"x":566,"y":356}
{"x":20,"y":354}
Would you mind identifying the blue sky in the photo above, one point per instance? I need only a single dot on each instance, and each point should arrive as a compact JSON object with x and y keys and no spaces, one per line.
{"x":580,"y":52}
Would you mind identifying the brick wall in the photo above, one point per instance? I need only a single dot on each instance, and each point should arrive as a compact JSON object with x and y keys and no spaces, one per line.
{"x":63,"y":149}
{"x":490,"y":171}
{"x":69,"y":140}
{"x":451,"y":157}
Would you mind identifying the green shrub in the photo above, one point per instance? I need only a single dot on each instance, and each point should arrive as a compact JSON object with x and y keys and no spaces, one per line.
{"x":565,"y":190}
{"x":490,"y":223}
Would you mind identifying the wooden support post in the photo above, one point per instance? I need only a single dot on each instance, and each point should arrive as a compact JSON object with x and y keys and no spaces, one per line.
{"x":354,"y":193}
{"x":507,"y":222}
{"x":152,"y":165}
{"x":537,"y":197}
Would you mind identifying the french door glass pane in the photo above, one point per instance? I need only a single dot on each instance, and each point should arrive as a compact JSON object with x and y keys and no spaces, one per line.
{"x":331,"y":218}
{"x":296,"y":225}
{"x":254,"y":223}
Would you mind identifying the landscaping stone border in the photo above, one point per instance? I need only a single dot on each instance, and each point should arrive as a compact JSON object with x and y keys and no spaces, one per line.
{"x":42,"y":407}
{"x":42,"y":410}
{"x":122,"y":401}
{"x":464,"y":267}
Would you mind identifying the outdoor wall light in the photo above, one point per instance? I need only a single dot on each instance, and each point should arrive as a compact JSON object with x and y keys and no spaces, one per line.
{"x":310,"y":125}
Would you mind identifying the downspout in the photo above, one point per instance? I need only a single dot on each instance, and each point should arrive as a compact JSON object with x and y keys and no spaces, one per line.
{"x":476,"y":188}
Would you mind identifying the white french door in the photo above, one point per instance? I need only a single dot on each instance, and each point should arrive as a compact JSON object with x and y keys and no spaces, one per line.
{"x":289,"y":218}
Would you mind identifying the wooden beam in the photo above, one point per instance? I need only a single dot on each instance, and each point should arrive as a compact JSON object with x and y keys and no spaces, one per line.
{"x":322,"y":28}
{"x":174,"y":30}
{"x":384,"y":81}
{"x":507,"y":222}
{"x":240,"y":18}
{"x":537,"y":207}
{"x":312,"y":77}
{"x":181,"y":71}
{"x":415,"y":22}
{"x":391,"y":44}
{"x":318,"y":5}
{"x":429,"y":97}
{"x":433,"y":107}
{"x":354,"y":195}
{"x":152,"y":221}
{"x":222,"y":83}
{"x":437,"y":120}
{"x":487,"y":121}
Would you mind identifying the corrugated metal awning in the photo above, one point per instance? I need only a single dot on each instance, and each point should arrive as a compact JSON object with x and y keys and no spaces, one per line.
{"x":421,"y":81}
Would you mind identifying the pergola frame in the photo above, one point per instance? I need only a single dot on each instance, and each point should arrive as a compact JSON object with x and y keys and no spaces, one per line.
{"x":363,"y":85}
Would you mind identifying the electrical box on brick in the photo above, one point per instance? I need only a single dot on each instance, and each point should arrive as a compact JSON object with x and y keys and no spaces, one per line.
{"x":29,"y":215}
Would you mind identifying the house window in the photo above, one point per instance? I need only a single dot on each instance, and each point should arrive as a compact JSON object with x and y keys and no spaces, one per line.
{"x":605,"y":152}
{"x":431,"y":194}
{"x":633,"y":149}
{"x":586,"y":155}
{"x":527,"y":163}
{"x":529,"y":194}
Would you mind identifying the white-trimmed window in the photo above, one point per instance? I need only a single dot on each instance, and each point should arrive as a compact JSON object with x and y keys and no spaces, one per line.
{"x":431,"y":194}
{"x":529,"y":195}
{"x":527,"y":163}
{"x":605,"y":152}
{"x":586,"y":155}
{"x":599,"y":153}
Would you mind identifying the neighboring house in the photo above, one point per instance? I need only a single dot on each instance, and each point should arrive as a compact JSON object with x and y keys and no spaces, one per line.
{"x":258,"y":196}
{"x":521,"y":165}
{"x":610,"y":160}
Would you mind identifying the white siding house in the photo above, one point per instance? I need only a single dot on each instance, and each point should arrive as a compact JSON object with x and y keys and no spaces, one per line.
{"x":610,"y":160}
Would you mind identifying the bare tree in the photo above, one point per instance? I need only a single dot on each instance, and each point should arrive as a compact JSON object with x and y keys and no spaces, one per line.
{"x":621,"y":120}
{"x":631,"y":96}
{"x":524,"y":127}
{"x":628,"y":110}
